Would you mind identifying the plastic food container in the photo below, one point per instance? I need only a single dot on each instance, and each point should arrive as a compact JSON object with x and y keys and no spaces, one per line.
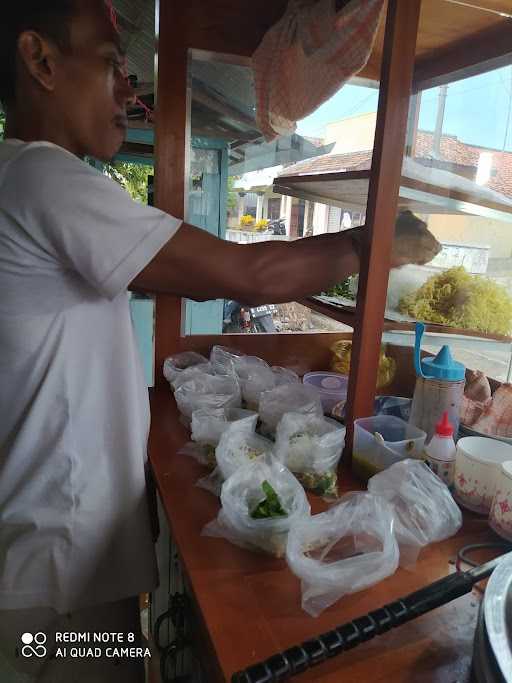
{"x":381,"y":441}
{"x":331,"y":386}
{"x":477,"y":471}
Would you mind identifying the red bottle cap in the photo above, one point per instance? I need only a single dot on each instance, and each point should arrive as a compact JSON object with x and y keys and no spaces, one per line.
{"x":444,"y":427}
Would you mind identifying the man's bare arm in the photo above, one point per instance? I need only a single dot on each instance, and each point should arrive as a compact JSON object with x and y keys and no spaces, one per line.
{"x":200,"y":266}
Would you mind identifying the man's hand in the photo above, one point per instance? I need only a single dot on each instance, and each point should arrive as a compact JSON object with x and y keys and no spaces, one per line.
{"x":413,"y":241}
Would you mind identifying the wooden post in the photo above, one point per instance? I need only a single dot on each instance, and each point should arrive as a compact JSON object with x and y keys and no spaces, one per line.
{"x":172,"y":142}
{"x":394,"y":96}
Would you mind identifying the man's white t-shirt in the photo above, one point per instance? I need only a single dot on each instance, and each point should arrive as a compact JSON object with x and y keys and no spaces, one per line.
{"x":74,"y":413}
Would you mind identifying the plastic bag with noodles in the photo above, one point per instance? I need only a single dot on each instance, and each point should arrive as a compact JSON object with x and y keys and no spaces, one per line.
{"x":311,"y":447}
{"x":350,"y":547}
{"x":260,"y":503}
{"x":208,"y":425}
{"x":423,"y":506}
{"x":207,"y":391}
{"x":239,"y":445}
{"x":342,"y":351}
{"x":287,"y":398}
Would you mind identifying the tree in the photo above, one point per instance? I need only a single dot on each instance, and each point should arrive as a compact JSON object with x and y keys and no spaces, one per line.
{"x":133,"y":177}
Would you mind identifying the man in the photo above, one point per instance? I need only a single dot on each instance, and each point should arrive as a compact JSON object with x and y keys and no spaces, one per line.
{"x":75,"y":542}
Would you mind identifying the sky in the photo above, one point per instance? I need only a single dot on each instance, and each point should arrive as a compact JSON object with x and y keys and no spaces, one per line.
{"x":478,"y":109}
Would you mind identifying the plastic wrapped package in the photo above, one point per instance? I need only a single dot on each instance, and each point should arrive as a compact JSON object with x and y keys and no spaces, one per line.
{"x":255,"y":376}
{"x":175,"y":365}
{"x":284,"y":376}
{"x":208,"y":425}
{"x":207,"y":391}
{"x":342,"y":353}
{"x":424,"y":509}
{"x":243,"y":495}
{"x":344,"y":550}
{"x":238,"y":445}
{"x":222,"y":357}
{"x":287,"y":398}
{"x":311,"y":447}
{"x":188,"y":373}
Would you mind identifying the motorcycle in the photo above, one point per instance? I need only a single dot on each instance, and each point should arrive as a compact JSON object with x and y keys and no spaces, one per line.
{"x":247,"y":319}
{"x":277,"y":227}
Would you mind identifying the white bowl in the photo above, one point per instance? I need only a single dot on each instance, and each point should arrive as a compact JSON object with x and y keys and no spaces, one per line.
{"x":477,"y":468}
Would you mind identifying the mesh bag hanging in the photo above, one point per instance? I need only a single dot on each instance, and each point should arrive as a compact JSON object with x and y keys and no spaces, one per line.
{"x":307,"y":56}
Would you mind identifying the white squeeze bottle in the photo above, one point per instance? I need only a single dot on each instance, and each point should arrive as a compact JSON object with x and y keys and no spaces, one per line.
{"x":440,"y":453}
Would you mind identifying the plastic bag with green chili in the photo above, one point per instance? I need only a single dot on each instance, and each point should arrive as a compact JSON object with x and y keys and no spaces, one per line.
{"x":241,"y":495}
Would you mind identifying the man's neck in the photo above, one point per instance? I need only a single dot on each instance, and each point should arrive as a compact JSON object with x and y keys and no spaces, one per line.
{"x":31,"y":128}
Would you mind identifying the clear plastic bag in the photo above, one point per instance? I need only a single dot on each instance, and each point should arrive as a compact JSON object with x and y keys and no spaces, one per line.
{"x":208,"y":425}
{"x":424,"y":509}
{"x":311,"y":447}
{"x":238,"y":445}
{"x":222,"y":357}
{"x":207,"y":391}
{"x":284,"y":376}
{"x":188,"y":373}
{"x":175,"y":365}
{"x":287,"y":398}
{"x":242,"y":493}
{"x":255,"y":376}
{"x":350,"y":547}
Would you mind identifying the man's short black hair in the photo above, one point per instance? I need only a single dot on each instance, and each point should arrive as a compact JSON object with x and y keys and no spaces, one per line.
{"x":50,"y":18}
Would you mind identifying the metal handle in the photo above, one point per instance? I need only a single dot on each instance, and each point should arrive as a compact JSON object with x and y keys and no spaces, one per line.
{"x":298,"y":659}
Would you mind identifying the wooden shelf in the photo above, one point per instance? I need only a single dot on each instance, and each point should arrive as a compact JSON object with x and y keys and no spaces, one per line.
{"x":349,"y":190}
{"x":347,"y":316}
{"x":253,"y":600}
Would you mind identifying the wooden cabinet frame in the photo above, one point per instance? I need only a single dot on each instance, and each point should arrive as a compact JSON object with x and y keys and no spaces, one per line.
{"x":222,"y":28}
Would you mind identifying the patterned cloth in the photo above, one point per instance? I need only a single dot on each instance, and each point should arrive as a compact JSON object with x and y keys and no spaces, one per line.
{"x":307,"y":56}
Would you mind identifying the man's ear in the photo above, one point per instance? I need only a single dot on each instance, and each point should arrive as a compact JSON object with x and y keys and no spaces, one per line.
{"x":38,"y":57}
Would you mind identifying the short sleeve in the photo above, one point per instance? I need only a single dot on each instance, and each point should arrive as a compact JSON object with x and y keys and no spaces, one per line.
{"x":81,"y":218}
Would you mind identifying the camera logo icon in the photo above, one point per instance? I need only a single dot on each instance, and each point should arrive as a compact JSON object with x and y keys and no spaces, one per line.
{"x":33,"y":644}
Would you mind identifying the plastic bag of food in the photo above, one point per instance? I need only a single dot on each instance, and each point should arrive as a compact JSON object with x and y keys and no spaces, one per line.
{"x":311,"y":447}
{"x":287,"y":398}
{"x":255,"y":376}
{"x":222,"y":357}
{"x":175,"y":365}
{"x":208,"y":425}
{"x":342,"y":351}
{"x":260,"y":503}
{"x":350,"y":547}
{"x":238,"y":445}
{"x":188,"y":373}
{"x":207,"y":391}
{"x":284,"y":376}
{"x":424,"y":509}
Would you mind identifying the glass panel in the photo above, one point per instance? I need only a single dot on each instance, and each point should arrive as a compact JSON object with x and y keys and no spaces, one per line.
{"x":457,"y":178}
{"x":232,"y":175}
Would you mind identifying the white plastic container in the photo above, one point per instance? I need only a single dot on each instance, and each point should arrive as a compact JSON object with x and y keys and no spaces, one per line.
{"x":441,"y":452}
{"x":381,"y":441}
{"x":331,"y":386}
{"x":500,"y":517}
